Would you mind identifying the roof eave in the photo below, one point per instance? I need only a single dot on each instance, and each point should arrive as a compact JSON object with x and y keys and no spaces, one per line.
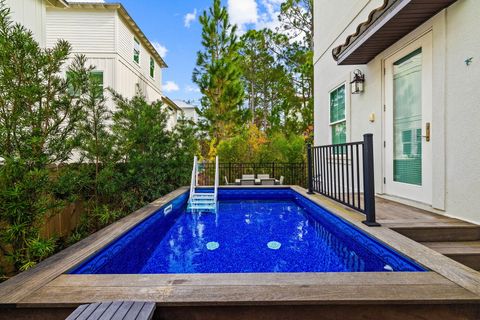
{"x":133,"y":25}
{"x":384,"y":26}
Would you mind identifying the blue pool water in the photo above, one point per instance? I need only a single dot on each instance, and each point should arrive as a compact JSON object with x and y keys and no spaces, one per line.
{"x":254,"y":230}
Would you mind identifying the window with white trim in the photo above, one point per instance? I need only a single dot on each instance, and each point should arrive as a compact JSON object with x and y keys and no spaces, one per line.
{"x":338,"y":121}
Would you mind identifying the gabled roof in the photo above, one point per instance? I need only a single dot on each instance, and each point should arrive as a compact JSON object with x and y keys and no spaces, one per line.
{"x":169,"y":102}
{"x":384,"y":26}
{"x":128,"y":19}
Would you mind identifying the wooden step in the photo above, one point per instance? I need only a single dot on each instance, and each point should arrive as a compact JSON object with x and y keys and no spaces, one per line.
{"x":438,"y":232}
{"x":465,"y":252}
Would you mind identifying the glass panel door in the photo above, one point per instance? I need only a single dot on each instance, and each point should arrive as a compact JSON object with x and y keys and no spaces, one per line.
{"x":407,"y":119}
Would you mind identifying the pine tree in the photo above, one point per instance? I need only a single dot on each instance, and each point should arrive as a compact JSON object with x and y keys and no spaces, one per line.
{"x":218,"y":76}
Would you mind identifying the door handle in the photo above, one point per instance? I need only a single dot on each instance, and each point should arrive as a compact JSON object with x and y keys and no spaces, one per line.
{"x":427,"y":132}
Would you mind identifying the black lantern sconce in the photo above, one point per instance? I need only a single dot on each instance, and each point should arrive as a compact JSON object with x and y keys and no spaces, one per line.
{"x":358,"y":83}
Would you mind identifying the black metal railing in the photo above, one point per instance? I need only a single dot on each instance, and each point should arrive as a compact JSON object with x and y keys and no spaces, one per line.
{"x":345,"y":173}
{"x":292,"y":173}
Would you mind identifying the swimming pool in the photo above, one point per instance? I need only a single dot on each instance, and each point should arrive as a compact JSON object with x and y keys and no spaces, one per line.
{"x":254,"y":230}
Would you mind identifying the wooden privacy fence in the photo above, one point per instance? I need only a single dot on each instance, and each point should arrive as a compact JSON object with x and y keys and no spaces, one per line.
{"x":293,"y":173}
{"x":63,"y":223}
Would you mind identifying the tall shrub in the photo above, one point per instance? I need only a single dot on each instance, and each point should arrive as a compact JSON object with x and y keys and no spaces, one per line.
{"x":38,"y":121}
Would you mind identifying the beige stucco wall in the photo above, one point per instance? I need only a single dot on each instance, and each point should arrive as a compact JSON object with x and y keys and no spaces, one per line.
{"x":31,"y":14}
{"x":456,"y":99}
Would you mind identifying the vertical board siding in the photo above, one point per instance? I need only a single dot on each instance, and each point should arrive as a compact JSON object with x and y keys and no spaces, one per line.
{"x":31,"y":14}
{"x":87,"y":31}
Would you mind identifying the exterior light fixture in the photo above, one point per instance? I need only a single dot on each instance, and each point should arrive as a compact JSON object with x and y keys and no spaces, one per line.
{"x":357,"y":84}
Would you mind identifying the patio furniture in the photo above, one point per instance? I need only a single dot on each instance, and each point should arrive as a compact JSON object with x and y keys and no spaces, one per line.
{"x":268,"y":182}
{"x":263,"y":176}
{"x":228,"y":183}
{"x":247,"y":182}
{"x":248,"y":177}
{"x":125,"y":310}
{"x":280,"y":182}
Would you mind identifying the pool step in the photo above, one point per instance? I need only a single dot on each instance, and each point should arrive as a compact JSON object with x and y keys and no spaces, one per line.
{"x":465,"y":252}
{"x":202,"y":202}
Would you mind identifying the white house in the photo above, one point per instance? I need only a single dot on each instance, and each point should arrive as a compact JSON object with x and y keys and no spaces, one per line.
{"x":32,"y":14}
{"x":421,"y":62}
{"x":124,"y":59}
{"x":189,"y":111}
{"x":111,"y":40}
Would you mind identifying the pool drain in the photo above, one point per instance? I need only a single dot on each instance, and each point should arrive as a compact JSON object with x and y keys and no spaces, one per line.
{"x":274,"y":245}
{"x":213,"y":245}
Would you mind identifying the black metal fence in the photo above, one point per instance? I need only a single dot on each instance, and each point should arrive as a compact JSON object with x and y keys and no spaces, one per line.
{"x":345,"y":173}
{"x":292,"y":173}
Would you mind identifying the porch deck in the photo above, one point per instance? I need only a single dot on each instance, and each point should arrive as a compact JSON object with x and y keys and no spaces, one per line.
{"x":450,"y":290}
{"x":454,"y":238}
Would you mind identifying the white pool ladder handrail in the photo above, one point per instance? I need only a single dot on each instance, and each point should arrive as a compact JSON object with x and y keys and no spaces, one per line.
{"x":203,"y":201}
{"x":194,"y":181}
{"x":215,"y":191}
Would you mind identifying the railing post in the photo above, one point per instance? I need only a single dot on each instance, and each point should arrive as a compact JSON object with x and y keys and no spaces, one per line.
{"x":369,"y":181}
{"x":310,"y":169}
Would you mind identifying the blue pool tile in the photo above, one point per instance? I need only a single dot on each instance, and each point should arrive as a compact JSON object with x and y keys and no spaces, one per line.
{"x":254,"y":230}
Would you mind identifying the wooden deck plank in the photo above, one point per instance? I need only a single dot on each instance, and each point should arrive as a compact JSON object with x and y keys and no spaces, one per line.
{"x":449,"y":283}
{"x":122,"y":310}
{"x":257,"y":295}
{"x":88,"y":311}
{"x":452,"y":248}
{"x":98,"y":313}
{"x":74,"y":315}
{"x":245,"y":279}
{"x":113,"y":308}
{"x":134,"y":311}
{"x":147,"y":311}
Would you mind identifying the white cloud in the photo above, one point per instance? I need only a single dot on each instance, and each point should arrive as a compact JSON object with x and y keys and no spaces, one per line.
{"x":191,"y":88}
{"x":161,"y":49}
{"x":170,"y":86}
{"x":243,"y":12}
{"x":189,"y":18}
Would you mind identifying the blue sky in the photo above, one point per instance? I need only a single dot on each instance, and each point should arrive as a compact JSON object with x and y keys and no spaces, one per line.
{"x":173,"y":27}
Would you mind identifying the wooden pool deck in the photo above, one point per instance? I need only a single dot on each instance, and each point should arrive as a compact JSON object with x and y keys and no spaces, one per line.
{"x":449,"y":290}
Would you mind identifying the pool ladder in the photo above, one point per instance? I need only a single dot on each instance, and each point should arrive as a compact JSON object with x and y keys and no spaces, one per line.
{"x":202,"y":201}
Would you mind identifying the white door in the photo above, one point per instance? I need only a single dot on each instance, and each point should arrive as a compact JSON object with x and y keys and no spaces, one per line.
{"x":408,"y":122}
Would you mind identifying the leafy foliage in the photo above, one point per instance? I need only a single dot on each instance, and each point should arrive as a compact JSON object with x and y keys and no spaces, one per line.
{"x":276,"y":71}
{"x":123,"y":159}
{"x":38,"y":118}
{"x":218,"y":76}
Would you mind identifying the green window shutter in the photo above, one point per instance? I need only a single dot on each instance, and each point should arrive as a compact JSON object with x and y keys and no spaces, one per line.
{"x":152,"y":67}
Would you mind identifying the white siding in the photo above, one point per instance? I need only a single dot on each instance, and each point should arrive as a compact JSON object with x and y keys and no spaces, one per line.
{"x":141,"y":71}
{"x":31,"y":14}
{"x":87,"y":31}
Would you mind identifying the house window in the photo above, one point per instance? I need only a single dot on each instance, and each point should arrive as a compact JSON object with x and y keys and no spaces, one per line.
{"x":96,"y":77}
{"x":338,"y":121}
{"x":152,"y":67}
{"x":136,"y":50}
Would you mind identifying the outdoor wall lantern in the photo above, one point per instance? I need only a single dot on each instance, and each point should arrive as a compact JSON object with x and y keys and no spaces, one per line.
{"x":357,"y":84}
